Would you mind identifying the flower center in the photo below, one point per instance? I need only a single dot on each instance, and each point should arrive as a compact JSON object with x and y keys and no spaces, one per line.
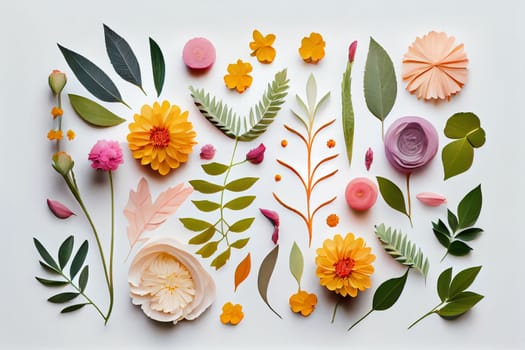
{"x":343,"y":268}
{"x":412,"y":142}
{"x":160,"y":137}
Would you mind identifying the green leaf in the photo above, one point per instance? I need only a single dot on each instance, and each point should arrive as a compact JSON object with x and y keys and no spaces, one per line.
{"x":206,"y":187}
{"x":49,"y":268}
{"x":83,"y":278}
{"x":443,"y":284}
{"x":214,"y":168}
{"x":460,"y":124}
{"x":157,"y":65}
{"x":51,"y":283}
{"x":240,"y":203}
{"x":347,"y":111}
{"x":241,"y":225}
{"x":443,"y":239}
{"x":221,"y":259}
{"x":205,"y":205}
{"x":296,"y":263}
{"x":122,"y":57}
{"x":207,"y":250}
{"x":460,"y":304}
{"x":380,"y":85}
{"x":240,"y":243}
{"x":64,"y":252}
{"x":469,"y":208}
{"x":92,"y":77}
{"x":73,"y":308}
{"x":469,"y":234}
{"x":463,"y":280}
{"x":45,"y":255}
{"x":388,"y":292}
{"x":459,"y":248}
{"x":93,"y":113}
{"x":452,"y":220}
{"x":195,"y":225}
{"x":311,"y":92}
{"x":392,"y":194}
{"x":265,"y":274}
{"x":242,"y":184}
{"x":477,"y":138}
{"x":442,"y":233}
{"x":63,"y":297}
{"x":457,"y":157}
{"x":78,"y":260}
{"x":203,"y":237}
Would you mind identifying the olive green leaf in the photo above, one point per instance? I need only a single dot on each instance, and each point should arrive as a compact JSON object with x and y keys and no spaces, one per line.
{"x":93,"y":113}
{"x":64,"y":252}
{"x":83,"y":278}
{"x":45,"y":255}
{"x":469,"y":208}
{"x":63,"y":297}
{"x":195,"y":225}
{"x":203,"y":237}
{"x":157,"y":65}
{"x":51,"y":283}
{"x":459,"y":304}
{"x":347,"y":111}
{"x":239,"y":203}
{"x":265,"y":274}
{"x":207,"y":250}
{"x":214,"y":168}
{"x":78,"y":259}
{"x":443,"y":284}
{"x":48,"y":268}
{"x":240,"y":243}
{"x":461,"y":124}
{"x":73,"y":308}
{"x":241,"y":225}
{"x":457,"y":157}
{"x":221,"y":259}
{"x":206,"y":205}
{"x":203,"y":186}
{"x":452,"y":220}
{"x":296,"y":263}
{"x":392,"y":195}
{"x":241,"y":184}
{"x":469,"y":234}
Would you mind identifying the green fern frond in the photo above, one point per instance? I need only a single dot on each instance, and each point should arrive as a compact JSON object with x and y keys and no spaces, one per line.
{"x":398,"y":246}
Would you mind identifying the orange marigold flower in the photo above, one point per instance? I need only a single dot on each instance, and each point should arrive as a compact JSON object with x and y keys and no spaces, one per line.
{"x":70,"y":134}
{"x":231,"y":313}
{"x":277,"y":177}
{"x":332,"y":220}
{"x":330,"y":143}
{"x":238,"y":77}
{"x":262,"y":47}
{"x":284,"y":143}
{"x":312,"y":48}
{"x":56,"y":112}
{"x":344,"y":265}
{"x":54,"y":135}
{"x":303,"y":302}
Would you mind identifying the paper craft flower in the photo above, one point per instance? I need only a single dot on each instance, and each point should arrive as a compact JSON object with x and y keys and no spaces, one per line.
{"x":332,"y":220}
{"x":199,"y":54}
{"x":361,"y":194}
{"x":62,"y":163}
{"x":273,"y":217}
{"x":262,"y":47}
{"x":344,"y":265}
{"x":369,"y":158}
{"x":231,"y":313}
{"x":238,"y":76}
{"x":410,"y":143}
{"x":168,"y":282}
{"x":207,"y":152}
{"x":106,"y":155}
{"x":256,"y":155}
{"x":303,"y":302}
{"x":312,"y":48}
{"x":54,"y":135}
{"x":435,"y":67}
{"x":161,"y":136}
{"x":431,"y":199}
{"x":57,"y":80}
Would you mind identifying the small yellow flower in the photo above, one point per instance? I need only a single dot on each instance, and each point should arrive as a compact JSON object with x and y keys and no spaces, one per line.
{"x":332,"y":220}
{"x":70,"y":134}
{"x":303,"y":302}
{"x":330,"y":143}
{"x":54,"y":135}
{"x":312,"y":48}
{"x":231,"y":313}
{"x":262,"y":47}
{"x":238,"y":77}
{"x":56,"y":112}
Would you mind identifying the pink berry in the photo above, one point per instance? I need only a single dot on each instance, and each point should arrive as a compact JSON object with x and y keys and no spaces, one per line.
{"x":198,"y":53}
{"x":361,"y":193}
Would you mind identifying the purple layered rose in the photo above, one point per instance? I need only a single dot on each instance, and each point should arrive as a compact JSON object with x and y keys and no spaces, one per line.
{"x":410,"y":143}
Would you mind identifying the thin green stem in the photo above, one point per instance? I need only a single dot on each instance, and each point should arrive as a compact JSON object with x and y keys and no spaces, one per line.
{"x":409,"y":201}
{"x":335,"y":308}
{"x":230,"y":165}
{"x":383,"y":131}
{"x":425,"y":315}
{"x":362,"y":318}
{"x":444,"y":256}
{"x":112,"y":245}
{"x":59,"y":102}
{"x":83,"y":294}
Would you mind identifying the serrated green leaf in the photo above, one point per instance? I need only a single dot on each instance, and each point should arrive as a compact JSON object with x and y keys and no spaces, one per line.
{"x":221,"y":259}
{"x":296,"y":263}
{"x":388,"y":292}
{"x":93,"y":113}
{"x":240,"y":203}
{"x":72,"y":308}
{"x":63,"y":297}
{"x":240,"y":243}
{"x":51,"y":283}
{"x":452,"y":220}
{"x":460,"y":304}
{"x":242,"y":184}
{"x":83,"y":278}
{"x":241,"y":225}
{"x":195,"y":225}
{"x":460,"y":124}
{"x":265,"y":274}
{"x":469,"y":234}
{"x":205,"y":205}
{"x":457,"y":157}
{"x":477,"y":138}
{"x":392,"y":194}
{"x":207,"y":250}
{"x":158,"y":66}
{"x":469,"y":208}
{"x":45,"y":255}
{"x":49,"y":268}
{"x":122,"y":57}
{"x":459,"y":248}
{"x":443,"y":284}
{"x":214,"y":168}
{"x":78,"y":259}
{"x":380,"y":85}
{"x":206,"y":187}
{"x":64,"y":252}
{"x":347,"y":111}
{"x":463,"y":280}
{"x":203,"y":237}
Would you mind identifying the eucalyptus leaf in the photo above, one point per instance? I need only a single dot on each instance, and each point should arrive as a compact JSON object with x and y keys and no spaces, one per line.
{"x":221,"y":259}
{"x":242,"y":184}
{"x":459,"y":248}
{"x":460,"y":304}
{"x":457,"y":157}
{"x":206,"y":187}
{"x":469,"y":234}
{"x":265,"y":274}
{"x":51,"y":283}
{"x":311,"y":92}
{"x":239,"y":203}
{"x":83,"y":278}
{"x":296,"y":263}
{"x":452,"y":220}
{"x":73,"y":308}
{"x":469,"y":208}
{"x":347,"y":111}
{"x":214,"y":168}
{"x":443,"y":284}
{"x":241,"y":225}
{"x":240,"y":243}
{"x":45,"y":255}
{"x":78,"y":259}
{"x":392,"y":194}
{"x":157,"y":65}
{"x":63,"y":297}
{"x":203,"y":237}
{"x":460,"y":124}
{"x":93,"y":113}
{"x":463,"y":280}
{"x":206,"y":205}
{"x":64,"y":252}
{"x":195,"y":225}
{"x":207,"y":250}
{"x":388,"y":292}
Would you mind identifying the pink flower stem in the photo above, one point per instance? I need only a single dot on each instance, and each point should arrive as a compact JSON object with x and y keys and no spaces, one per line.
{"x":112,"y":244}
{"x":409,"y":214}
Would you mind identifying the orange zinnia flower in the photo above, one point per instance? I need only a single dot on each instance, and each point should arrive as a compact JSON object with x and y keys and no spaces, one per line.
{"x":238,"y":77}
{"x":303,"y":302}
{"x":262,"y":47}
{"x":231,"y":313}
{"x":312,"y":48}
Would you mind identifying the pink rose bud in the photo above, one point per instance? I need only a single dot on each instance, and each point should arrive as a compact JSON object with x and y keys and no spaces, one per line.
{"x":351,"y":51}
{"x":106,"y":155}
{"x":207,"y":152}
{"x":62,"y":163}
{"x":431,"y":199}
{"x":361,"y":194}
{"x":57,"y":80}
{"x":369,"y":158}
{"x":59,"y":209}
{"x":274,"y":219}
{"x":256,"y":155}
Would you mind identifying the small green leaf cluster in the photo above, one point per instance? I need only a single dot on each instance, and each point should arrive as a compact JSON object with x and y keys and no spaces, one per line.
{"x":461,"y":226}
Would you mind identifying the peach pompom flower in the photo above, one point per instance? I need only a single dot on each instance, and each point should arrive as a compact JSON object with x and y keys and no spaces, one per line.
{"x":207,"y":152}
{"x":303,"y":302}
{"x":232,"y":314}
{"x":262,"y":47}
{"x":106,"y":155}
{"x":238,"y":76}
{"x":312,"y":48}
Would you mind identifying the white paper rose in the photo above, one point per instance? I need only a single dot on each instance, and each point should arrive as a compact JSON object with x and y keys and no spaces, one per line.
{"x":168,"y":282}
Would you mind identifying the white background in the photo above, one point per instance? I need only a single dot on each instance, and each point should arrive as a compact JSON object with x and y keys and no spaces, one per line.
{"x":494,"y":44}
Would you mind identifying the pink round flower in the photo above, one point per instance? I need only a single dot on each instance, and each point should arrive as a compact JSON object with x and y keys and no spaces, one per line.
{"x":207,"y":152}
{"x":361,"y":194}
{"x":106,"y":155}
{"x":256,"y":155}
{"x":410,"y":143}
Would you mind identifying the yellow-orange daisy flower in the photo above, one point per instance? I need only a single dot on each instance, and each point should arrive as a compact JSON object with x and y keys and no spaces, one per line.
{"x":344,"y":265}
{"x":262,"y":47}
{"x":161,"y":136}
{"x":303,"y":302}
{"x":231,"y":313}
{"x":238,"y":77}
{"x":312,"y":48}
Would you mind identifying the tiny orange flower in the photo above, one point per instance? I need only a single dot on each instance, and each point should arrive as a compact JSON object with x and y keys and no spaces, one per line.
{"x":54,"y":135}
{"x":332,"y":220}
{"x":284,"y":143}
{"x":262,"y":47}
{"x":330,"y":143}
{"x":56,"y":112}
{"x":303,"y":302}
{"x":277,"y":177}
{"x":312,"y":48}
{"x":231,"y":313}
{"x":238,"y":77}
{"x":70,"y":134}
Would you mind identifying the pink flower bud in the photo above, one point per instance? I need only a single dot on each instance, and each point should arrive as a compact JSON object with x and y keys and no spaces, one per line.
{"x":351,"y":51}
{"x":207,"y":152}
{"x":59,"y":209}
{"x":62,"y":163}
{"x":369,"y":158}
{"x":431,"y":199}
{"x":57,"y":80}
{"x":256,"y":155}
{"x":106,"y":155}
{"x":274,"y":219}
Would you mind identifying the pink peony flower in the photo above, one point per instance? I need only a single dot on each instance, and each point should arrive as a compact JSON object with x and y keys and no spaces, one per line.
{"x":256,"y":155}
{"x":106,"y":155}
{"x":207,"y":152}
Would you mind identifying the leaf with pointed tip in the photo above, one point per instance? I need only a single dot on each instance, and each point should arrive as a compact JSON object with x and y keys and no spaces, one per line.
{"x":241,"y":225}
{"x":214,"y":168}
{"x":221,"y":259}
{"x":469,"y":208}
{"x":347,"y":112}
{"x":460,"y":304}
{"x":459,"y":248}
{"x":93,"y":113}
{"x":203,"y":237}
{"x":388,"y":292}
{"x":242,"y":271}
{"x":49,"y":268}
{"x":242,"y":184}
{"x":443,"y":284}
{"x":45,"y":255}
{"x":207,"y":250}
{"x":64,"y":252}
{"x":240,"y":243}
{"x":392,"y":194}
{"x":457,"y":157}
{"x":63,"y":297}
{"x":452,"y":220}
{"x":469,"y":234}
{"x":296,"y":263}
{"x":265,"y":274}
{"x":240,"y":203}
{"x":51,"y":283}
{"x":83,"y":278}
{"x":72,"y":308}
{"x":158,"y":66}
{"x":195,"y":225}
{"x":311,"y":92}
{"x":78,"y":259}
{"x":205,"y":187}
{"x":205,"y":205}
{"x":463,"y":280}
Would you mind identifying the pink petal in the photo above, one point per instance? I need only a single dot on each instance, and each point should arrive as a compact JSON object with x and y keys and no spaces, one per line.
{"x":274,"y":219}
{"x":369,"y":158}
{"x":59,"y":209}
{"x":431,"y":199}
